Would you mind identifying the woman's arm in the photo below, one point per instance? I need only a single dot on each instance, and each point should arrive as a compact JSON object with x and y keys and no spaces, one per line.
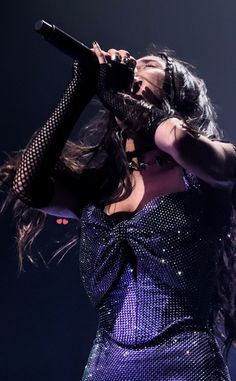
{"x":33,"y":182}
{"x":211,"y":160}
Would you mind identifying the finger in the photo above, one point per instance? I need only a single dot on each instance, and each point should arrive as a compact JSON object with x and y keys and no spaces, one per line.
{"x":122,"y":56}
{"x":132,"y":58}
{"x":115,"y":56}
{"x":126,"y":58}
{"x":120,"y":53}
{"x":99,"y":53}
{"x":107,"y":55}
{"x":113,"y":52}
{"x":123,"y":53}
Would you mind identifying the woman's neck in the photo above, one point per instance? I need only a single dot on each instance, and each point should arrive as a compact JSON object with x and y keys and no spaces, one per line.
{"x":143,"y":157}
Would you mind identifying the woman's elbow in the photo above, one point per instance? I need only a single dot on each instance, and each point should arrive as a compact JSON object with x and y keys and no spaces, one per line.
{"x":171,"y":137}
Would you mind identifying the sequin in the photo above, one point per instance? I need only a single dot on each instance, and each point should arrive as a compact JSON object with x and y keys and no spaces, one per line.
{"x":151,"y":280}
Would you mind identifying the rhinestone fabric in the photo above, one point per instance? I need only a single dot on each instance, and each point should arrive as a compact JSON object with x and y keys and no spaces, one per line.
{"x":151,"y":279}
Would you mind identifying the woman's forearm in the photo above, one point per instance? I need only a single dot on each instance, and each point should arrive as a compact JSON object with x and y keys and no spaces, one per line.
{"x":32,"y":180}
{"x":212,"y":161}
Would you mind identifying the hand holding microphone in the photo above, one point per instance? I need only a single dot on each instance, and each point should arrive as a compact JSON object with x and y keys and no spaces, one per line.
{"x":120,"y":61}
{"x":137,"y":115}
{"x":121,"y":67}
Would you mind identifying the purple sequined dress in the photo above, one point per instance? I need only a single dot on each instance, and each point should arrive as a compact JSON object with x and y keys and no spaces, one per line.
{"x":154,"y":320}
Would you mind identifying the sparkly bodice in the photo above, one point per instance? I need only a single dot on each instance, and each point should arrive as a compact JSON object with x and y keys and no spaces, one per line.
{"x":173,"y":242}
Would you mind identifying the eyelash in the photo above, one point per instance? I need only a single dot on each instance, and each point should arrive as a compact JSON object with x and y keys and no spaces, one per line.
{"x":149,"y":65}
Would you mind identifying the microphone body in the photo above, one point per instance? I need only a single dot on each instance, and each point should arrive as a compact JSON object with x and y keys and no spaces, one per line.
{"x":68,"y":44}
{"x":122,"y":75}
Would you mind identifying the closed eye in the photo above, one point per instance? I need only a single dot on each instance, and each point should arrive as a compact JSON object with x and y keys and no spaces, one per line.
{"x":150,"y":65}
{"x":145,"y":65}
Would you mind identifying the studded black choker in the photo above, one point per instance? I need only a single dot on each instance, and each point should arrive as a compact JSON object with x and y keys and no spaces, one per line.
{"x":160,"y":160}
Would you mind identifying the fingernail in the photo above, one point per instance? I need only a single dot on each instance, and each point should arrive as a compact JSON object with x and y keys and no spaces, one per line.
{"x":95,"y":44}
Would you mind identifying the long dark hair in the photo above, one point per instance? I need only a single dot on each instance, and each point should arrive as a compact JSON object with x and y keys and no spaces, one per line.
{"x":98,"y":156}
{"x":100,"y":148}
{"x":187,"y":94}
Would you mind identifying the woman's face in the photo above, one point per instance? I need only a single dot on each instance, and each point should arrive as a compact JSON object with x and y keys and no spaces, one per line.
{"x":149,"y":76}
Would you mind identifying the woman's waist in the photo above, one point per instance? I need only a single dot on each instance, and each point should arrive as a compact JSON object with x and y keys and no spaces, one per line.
{"x":134,"y":320}
{"x":146,"y":333}
{"x":148,"y":299}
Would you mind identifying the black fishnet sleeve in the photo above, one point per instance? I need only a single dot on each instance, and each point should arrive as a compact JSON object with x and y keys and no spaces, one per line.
{"x":33,"y":183}
{"x":138,"y":115}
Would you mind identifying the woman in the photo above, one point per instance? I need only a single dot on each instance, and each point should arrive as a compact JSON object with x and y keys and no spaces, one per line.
{"x":154,"y":197}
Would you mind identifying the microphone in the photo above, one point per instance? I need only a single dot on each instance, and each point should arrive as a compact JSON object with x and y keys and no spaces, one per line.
{"x":122,"y":74}
{"x":68,"y":44}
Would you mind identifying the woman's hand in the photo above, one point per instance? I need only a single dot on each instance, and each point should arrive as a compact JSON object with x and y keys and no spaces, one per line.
{"x":136,"y":115}
{"x":121,"y":63}
{"x":103,"y":56}
{"x":122,"y":56}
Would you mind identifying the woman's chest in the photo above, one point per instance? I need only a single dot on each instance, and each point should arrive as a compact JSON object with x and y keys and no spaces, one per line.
{"x":148,"y":184}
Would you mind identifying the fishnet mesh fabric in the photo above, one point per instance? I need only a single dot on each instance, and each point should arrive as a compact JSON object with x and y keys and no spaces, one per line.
{"x":137,"y":114}
{"x":32,"y":183}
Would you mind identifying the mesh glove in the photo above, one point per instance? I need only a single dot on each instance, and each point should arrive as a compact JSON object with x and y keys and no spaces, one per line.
{"x":122,"y":76}
{"x":137,"y":115}
{"x":32,"y":182}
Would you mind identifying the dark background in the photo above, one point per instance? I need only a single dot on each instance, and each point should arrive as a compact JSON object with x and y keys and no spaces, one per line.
{"x":46,"y":323}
